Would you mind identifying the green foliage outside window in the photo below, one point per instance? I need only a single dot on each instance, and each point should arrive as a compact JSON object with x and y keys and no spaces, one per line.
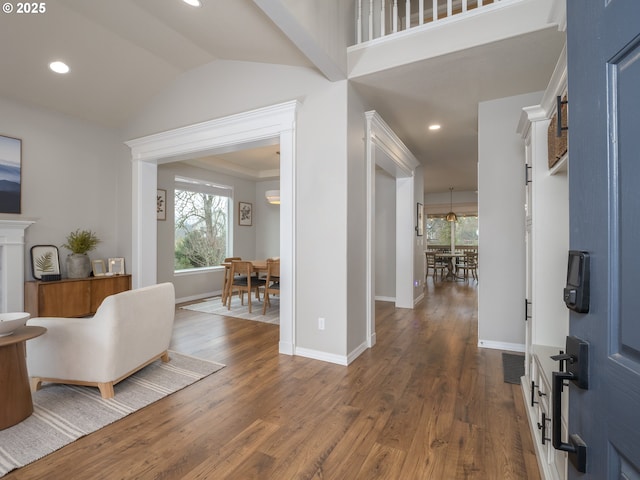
{"x":201,"y":229}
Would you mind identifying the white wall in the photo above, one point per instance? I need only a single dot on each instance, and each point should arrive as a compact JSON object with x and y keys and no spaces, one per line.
{"x":267,"y":221}
{"x":322,"y":179}
{"x":69,"y":179}
{"x":501,"y":247}
{"x":385,"y":236}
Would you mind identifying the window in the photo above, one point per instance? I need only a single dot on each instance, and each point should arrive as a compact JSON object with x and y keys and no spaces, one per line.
{"x":438,"y":230}
{"x":201,"y":223}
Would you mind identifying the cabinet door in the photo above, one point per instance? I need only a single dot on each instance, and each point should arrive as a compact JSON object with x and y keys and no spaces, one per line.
{"x":64,"y":299}
{"x":103,"y":287}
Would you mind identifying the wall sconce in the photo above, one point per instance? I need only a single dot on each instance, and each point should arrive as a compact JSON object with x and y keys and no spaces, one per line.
{"x":273,"y":196}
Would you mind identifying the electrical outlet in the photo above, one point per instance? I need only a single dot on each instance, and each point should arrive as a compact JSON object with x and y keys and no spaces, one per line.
{"x":320,"y":323}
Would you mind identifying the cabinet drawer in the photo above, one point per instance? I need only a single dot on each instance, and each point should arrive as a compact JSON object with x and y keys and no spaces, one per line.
{"x":67,"y":299}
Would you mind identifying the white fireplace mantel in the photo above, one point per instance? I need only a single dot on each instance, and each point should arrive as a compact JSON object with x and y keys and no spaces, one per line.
{"x":12,"y":264}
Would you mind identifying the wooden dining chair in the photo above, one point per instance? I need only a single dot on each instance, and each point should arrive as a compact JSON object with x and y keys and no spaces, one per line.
{"x":242,"y":280}
{"x":272,"y":283}
{"x":435,"y":264}
{"x":227,"y":276}
{"x":470,"y":265}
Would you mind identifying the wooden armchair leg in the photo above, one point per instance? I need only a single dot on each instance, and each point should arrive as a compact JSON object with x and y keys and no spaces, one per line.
{"x":36,"y":383}
{"x":106,"y":390}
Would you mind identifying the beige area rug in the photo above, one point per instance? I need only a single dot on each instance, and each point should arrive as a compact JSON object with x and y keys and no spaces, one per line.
{"x":214,"y":305}
{"x":64,"y":413}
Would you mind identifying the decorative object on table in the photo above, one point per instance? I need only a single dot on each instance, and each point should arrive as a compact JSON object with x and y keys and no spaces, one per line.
{"x":161,"y":204}
{"x":10,"y":321}
{"x":10,"y":174}
{"x":451,"y":216}
{"x":245,"y":214}
{"x":116,"y":266}
{"x":45,"y":262}
{"x":99,"y":268}
{"x":419,"y":220}
{"x":79,"y":242}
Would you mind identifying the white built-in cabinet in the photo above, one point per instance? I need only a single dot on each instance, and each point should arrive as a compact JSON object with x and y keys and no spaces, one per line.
{"x":547,"y":245}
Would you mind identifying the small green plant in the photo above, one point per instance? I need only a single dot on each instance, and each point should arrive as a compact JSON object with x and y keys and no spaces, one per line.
{"x":81,"y":241}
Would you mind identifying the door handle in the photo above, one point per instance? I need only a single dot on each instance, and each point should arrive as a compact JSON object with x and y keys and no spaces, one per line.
{"x":576,"y":448}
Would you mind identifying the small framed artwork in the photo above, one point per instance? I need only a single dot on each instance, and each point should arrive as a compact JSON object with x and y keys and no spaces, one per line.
{"x":116,"y":266}
{"x":161,"y":204}
{"x":419,"y":220}
{"x":99,"y":268}
{"x":45,"y":262}
{"x":10,"y":174}
{"x":245,"y":214}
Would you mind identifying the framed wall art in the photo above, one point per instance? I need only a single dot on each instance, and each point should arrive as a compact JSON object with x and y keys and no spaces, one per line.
{"x":45,"y":262}
{"x":419,"y":220}
{"x":10,"y":174}
{"x":161,"y":204}
{"x":245,"y":214}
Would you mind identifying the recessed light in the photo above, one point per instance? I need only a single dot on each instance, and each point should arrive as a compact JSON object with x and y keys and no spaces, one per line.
{"x":193,"y":3}
{"x":59,"y":67}
{"x":435,"y":126}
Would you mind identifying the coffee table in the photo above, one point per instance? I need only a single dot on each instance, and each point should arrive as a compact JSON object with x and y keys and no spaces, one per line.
{"x":15,"y":394}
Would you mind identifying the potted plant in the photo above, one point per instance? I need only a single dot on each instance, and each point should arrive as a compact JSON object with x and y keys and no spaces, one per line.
{"x":79,"y":243}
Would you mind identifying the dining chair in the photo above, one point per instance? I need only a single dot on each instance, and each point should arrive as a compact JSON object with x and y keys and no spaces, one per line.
{"x":272,"y":283}
{"x":242,"y":280}
{"x":470,"y":264}
{"x":227,"y":276}
{"x":434,"y":264}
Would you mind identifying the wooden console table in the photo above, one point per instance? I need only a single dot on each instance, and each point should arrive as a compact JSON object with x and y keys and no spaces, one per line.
{"x":15,"y":394}
{"x":73,"y":297}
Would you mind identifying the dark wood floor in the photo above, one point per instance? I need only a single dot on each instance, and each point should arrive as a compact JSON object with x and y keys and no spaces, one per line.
{"x":424,"y":403}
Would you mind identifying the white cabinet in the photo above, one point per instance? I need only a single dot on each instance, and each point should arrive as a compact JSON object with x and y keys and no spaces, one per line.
{"x":547,"y":245}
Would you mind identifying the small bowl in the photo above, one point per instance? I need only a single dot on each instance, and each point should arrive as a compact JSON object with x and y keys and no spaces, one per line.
{"x":9,"y":322}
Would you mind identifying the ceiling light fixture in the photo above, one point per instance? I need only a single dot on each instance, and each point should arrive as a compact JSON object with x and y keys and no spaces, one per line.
{"x":451,"y":216}
{"x":193,"y":3}
{"x":435,"y":126}
{"x":273,"y":196}
{"x":59,"y":67}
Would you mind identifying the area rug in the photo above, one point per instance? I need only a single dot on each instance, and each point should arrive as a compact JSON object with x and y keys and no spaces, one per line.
{"x":513,"y":367}
{"x":214,"y":305}
{"x":64,"y":413}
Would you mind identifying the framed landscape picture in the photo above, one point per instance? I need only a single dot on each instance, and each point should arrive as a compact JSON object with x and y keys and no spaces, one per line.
{"x":10,"y":174}
{"x":245,"y":214}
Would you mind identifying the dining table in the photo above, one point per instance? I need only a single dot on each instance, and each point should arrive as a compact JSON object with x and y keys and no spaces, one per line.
{"x":258,"y":266}
{"x":448,"y":257}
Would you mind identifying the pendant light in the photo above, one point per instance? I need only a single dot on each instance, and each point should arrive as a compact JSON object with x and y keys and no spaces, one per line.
{"x":451,"y":216}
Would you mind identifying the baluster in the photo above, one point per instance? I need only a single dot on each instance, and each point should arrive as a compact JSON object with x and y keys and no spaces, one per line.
{"x":407,"y":14}
{"x":370,"y":19}
{"x":420,"y":12}
{"x":383,"y":18}
{"x":479,"y":3}
{"x":395,"y":16}
{"x":359,"y":22}
{"x":464,"y":5}
{"x":435,"y":10}
{"x":449,"y":8}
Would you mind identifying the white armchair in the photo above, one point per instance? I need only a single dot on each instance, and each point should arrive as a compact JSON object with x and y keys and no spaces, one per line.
{"x":129,"y":331}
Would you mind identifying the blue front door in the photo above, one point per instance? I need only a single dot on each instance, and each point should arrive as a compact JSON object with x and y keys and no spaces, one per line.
{"x":603,"y":47}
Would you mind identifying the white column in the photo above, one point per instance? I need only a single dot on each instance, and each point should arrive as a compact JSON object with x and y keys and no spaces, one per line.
{"x":12,"y":265}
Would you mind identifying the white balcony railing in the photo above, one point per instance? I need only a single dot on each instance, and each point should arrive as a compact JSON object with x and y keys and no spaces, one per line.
{"x":380,"y":18}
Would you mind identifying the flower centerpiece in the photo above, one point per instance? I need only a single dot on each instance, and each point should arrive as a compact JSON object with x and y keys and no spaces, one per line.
{"x":80,"y":242}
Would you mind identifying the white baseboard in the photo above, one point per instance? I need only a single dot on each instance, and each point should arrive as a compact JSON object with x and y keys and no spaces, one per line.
{"x":324,"y":356}
{"x":381,"y":298}
{"x":513,"y":347}
{"x":356,"y":352}
{"x":199,"y":296}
